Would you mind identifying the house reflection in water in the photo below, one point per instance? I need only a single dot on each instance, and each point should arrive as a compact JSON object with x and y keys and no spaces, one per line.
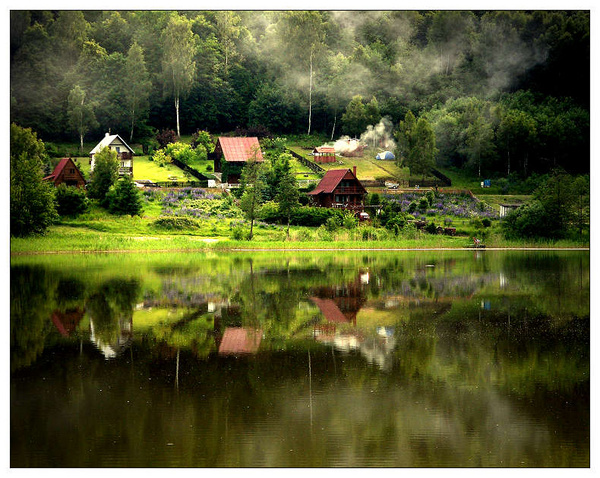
{"x":240,"y":340}
{"x":112,"y":345}
{"x":340,"y":306}
{"x":66,"y":322}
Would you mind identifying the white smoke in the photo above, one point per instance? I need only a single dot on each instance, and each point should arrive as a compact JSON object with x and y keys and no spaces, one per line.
{"x":379,"y":136}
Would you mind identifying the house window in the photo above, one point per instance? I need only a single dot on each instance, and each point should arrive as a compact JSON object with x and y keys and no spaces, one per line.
{"x":117,"y":149}
{"x":72,"y":171}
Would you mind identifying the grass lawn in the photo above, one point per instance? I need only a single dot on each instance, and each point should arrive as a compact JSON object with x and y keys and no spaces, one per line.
{"x":143,"y":168}
{"x":367,"y":167}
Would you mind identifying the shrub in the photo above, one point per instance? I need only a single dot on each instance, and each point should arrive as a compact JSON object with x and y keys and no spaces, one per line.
{"x":374,"y":199}
{"x":431,"y":228}
{"x":396,"y":223}
{"x":349,"y":221}
{"x":410,"y":231}
{"x":177,"y":223}
{"x":412,"y":207}
{"x":125,"y":198}
{"x":71,"y":201}
{"x":209,"y":167}
{"x":423,"y":204}
{"x":181,"y":152}
{"x":333,"y":223}
{"x":165,"y":137}
{"x":239,"y":234}
{"x":430,"y":195}
{"x":486,"y":222}
{"x":303,"y":236}
{"x":530,"y":220}
{"x":160,"y":158}
{"x":203,"y":138}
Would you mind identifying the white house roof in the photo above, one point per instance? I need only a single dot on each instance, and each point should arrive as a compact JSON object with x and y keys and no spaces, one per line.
{"x":107,"y":140}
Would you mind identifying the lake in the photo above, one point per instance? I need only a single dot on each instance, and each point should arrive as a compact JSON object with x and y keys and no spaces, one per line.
{"x":301,"y":359}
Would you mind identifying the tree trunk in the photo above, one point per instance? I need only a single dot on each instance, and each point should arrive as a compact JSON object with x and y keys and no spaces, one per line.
{"x":310,"y":93}
{"x":132,"y":126}
{"x":177,"y":114}
{"x":288,"y":228}
{"x":333,"y":129}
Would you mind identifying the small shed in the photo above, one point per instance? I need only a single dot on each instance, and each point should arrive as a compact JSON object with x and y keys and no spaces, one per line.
{"x":66,"y":172}
{"x":232,"y":154}
{"x":324,"y":154}
{"x":124,"y":153}
{"x":506,"y":209}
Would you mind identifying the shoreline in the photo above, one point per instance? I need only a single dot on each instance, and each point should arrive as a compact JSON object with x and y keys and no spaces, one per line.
{"x":300,"y":249}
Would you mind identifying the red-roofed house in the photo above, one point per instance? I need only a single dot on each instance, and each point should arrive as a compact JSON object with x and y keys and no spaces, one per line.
{"x":324,"y":154}
{"x":232,"y":154}
{"x":68,"y":173}
{"x":339,"y":188}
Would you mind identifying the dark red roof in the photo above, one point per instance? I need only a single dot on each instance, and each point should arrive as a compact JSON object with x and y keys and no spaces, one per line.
{"x":330,"y":181}
{"x":240,"y":150}
{"x":58,"y":169}
{"x":325,"y":149}
{"x":238,"y":340}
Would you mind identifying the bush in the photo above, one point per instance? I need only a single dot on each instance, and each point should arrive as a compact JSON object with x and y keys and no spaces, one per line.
{"x":486,"y":222}
{"x":209,"y":167}
{"x":423,"y":204}
{"x":175,"y":223}
{"x":239,"y":234}
{"x":349,"y":221}
{"x":71,"y":201}
{"x":412,"y":207}
{"x":530,"y":220}
{"x":165,"y":137}
{"x":124,"y":198}
{"x":396,"y":223}
{"x":160,"y":158}
{"x":333,"y":223}
{"x":431,"y":228}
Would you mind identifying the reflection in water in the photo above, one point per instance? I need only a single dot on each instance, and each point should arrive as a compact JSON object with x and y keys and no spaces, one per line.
{"x":442,"y":359}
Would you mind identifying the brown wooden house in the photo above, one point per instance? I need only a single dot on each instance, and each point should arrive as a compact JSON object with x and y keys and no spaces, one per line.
{"x":66,"y":172}
{"x":232,"y":154}
{"x":339,"y":188}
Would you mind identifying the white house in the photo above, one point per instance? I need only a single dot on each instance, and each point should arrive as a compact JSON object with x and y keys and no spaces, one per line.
{"x":124,"y":153}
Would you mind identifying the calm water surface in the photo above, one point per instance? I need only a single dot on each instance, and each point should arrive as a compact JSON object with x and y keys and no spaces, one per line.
{"x":404,"y":359}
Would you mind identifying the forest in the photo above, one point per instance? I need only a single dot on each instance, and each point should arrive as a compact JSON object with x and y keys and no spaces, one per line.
{"x":502,"y":92}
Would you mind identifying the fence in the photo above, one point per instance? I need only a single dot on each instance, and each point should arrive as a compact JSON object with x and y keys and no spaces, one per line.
{"x":315,"y":168}
{"x":178,"y":184}
{"x":190,"y":171}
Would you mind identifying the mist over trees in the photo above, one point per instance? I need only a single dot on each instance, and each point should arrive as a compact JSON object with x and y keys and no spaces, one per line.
{"x":503,"y":92}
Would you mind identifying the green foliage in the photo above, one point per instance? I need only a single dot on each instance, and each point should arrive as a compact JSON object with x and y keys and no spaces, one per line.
{"x":71,"y":201}
{"x":160,"y":158}
{"x":252,"y":187}
{"x":431,"y":228}
{"x":203,"y":138}
{"x":349,"y":221}
{"x":32,"y":200}
{"x":358,"y":116}
{"x":333,"y":223}
{"x":125,"y":198}
{"x":175,"y":223}
{"x":104,"y":175}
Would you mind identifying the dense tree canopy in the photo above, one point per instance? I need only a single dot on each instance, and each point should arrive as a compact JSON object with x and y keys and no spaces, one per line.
{"x":504,"y":92}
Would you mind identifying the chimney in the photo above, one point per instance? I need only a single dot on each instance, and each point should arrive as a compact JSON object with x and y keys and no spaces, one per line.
{"x":354,"y":170}
{"x":106,"y":135}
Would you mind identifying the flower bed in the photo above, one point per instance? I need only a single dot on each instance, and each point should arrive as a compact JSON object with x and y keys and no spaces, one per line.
{"x":443,"y":205}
